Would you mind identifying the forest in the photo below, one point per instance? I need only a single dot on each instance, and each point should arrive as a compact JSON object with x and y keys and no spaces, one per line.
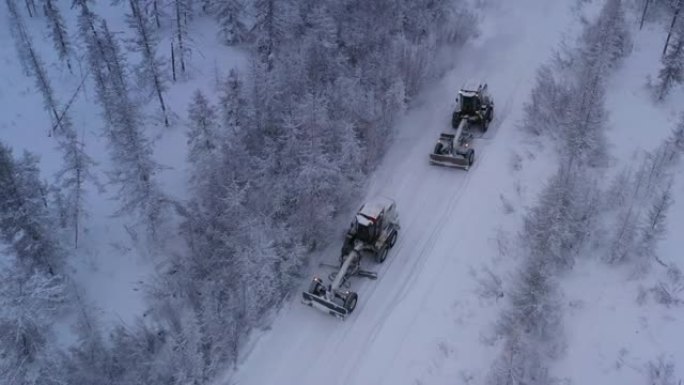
{"x":227,"y":178}
{"x":581,"y":214}
{"x":275,"y":152}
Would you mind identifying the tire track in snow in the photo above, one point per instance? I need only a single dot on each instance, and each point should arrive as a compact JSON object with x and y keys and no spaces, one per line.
{"x":367,"y":345}
{"x":420,"y":262}
{"x":417,"y":268}
{"x":451,"y":205}
{"x":387,"y":309}
{"x":367,"y":288}
{"x":443,"y":259}
{"x":397,"y":259}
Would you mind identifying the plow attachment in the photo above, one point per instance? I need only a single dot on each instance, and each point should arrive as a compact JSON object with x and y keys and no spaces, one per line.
{"x":456,"y":161}
{"x":321,"y":303}
{"x":453,"y":150}
{"x":338,"y":303}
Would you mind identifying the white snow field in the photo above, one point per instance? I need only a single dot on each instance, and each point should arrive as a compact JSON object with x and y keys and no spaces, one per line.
{"x":109,"y":266}
{"x":612,"y":336}
{"x":421,"y":322}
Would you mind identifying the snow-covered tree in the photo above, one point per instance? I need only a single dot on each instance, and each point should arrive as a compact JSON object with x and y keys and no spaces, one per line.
{"x":643,"y":13}
{"x":568,"y":100}
{"x":116,"y":77}
{"x":456,"y":23}
{"x":519,"y":363}
{"x":607,"y":41}
{"x":270,"y":28}
{"x":342,"y":145}
{"x":31,"y":7}
{"x":233,"y":103}
{"x":203,"y":135}
{"x":72,"y":179}
{"x":669,"y":290}
{"x":603,"y":45}
{"x":131,"y":152}
{"x":535,"y":306}
{"x":676,"y":6}
{"x":319,"y":92}
{"x":413,"y":65}
{"x":672,"y":71}
{"x":181,"y":36}
{"x":75,"y":170}
{"x":316,"y":175}
{"x":547,"y":107}
{"x":89,"y":359}
{"x":204,"y":139}
{"x":145,"y":42}
{"x":87,"y":26}
{"x":58,"y":32}
{"x":556,"y":228}
{"x":674,"y":145}
{"x":641,"y":199}
{"x":26,"y":224}
{"x":33,"y":64}
{"x":653,"y":228}
{"x":582,"y":135}
{"x":29,"y":303}
{"x":231,"y":15}
{"x":155,"y":8}
{"x":320,"y":59}
{"x":661,"y":372}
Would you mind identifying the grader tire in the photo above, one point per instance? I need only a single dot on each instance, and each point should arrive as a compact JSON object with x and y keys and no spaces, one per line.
{"x":350,"y":302}
{"x":392,"y":240}
{"x":381,"y":255}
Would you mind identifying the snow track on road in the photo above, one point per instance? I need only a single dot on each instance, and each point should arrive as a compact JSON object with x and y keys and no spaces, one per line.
{"x":421,"y":297}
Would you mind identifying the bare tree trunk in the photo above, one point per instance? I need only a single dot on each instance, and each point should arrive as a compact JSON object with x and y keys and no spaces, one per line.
{"x":643,"y":14}
{"x":179,"y":33}
{"x":674,"y":21}
{"x":45,"y":88}
{"x":173,"y":63}
{"x":161,"y":100}
{"x":77,"y":211}
{"x":89,"y":17}
{"x":31,"y":7}
{"x":156,"y":13}
{"x":148,"y":52}
{"x":163,"y":106}
{"x":63,"y":50}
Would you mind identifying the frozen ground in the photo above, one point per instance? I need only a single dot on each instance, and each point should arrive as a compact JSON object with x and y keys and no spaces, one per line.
{"x":109,"y":266}
{"x":423,"y":321}
{"x":611,"y":335}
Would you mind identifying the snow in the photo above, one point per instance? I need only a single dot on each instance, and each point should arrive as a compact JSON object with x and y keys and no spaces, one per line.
{"x":611,"y":338}
{"x":636,"y":122}
{"x":421,"y":321}
{"x":670,"y":248}
{"x":375,"y":206}
{"x":110,"y":266}
{"x":611,"y":334}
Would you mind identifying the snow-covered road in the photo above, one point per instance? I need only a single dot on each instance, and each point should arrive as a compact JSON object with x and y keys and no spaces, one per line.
{"x":420,"y":322}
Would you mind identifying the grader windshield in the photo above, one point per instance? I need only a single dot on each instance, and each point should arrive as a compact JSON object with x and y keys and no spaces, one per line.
{"x":469,"y":102}
{"x":367,"y":229}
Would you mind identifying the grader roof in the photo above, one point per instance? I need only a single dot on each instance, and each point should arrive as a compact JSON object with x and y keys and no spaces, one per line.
{"x":372,"y":209}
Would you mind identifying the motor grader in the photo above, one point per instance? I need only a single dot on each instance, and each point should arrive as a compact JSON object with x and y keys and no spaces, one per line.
{"x":372,"y":233}
{"x":474,"y":106}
